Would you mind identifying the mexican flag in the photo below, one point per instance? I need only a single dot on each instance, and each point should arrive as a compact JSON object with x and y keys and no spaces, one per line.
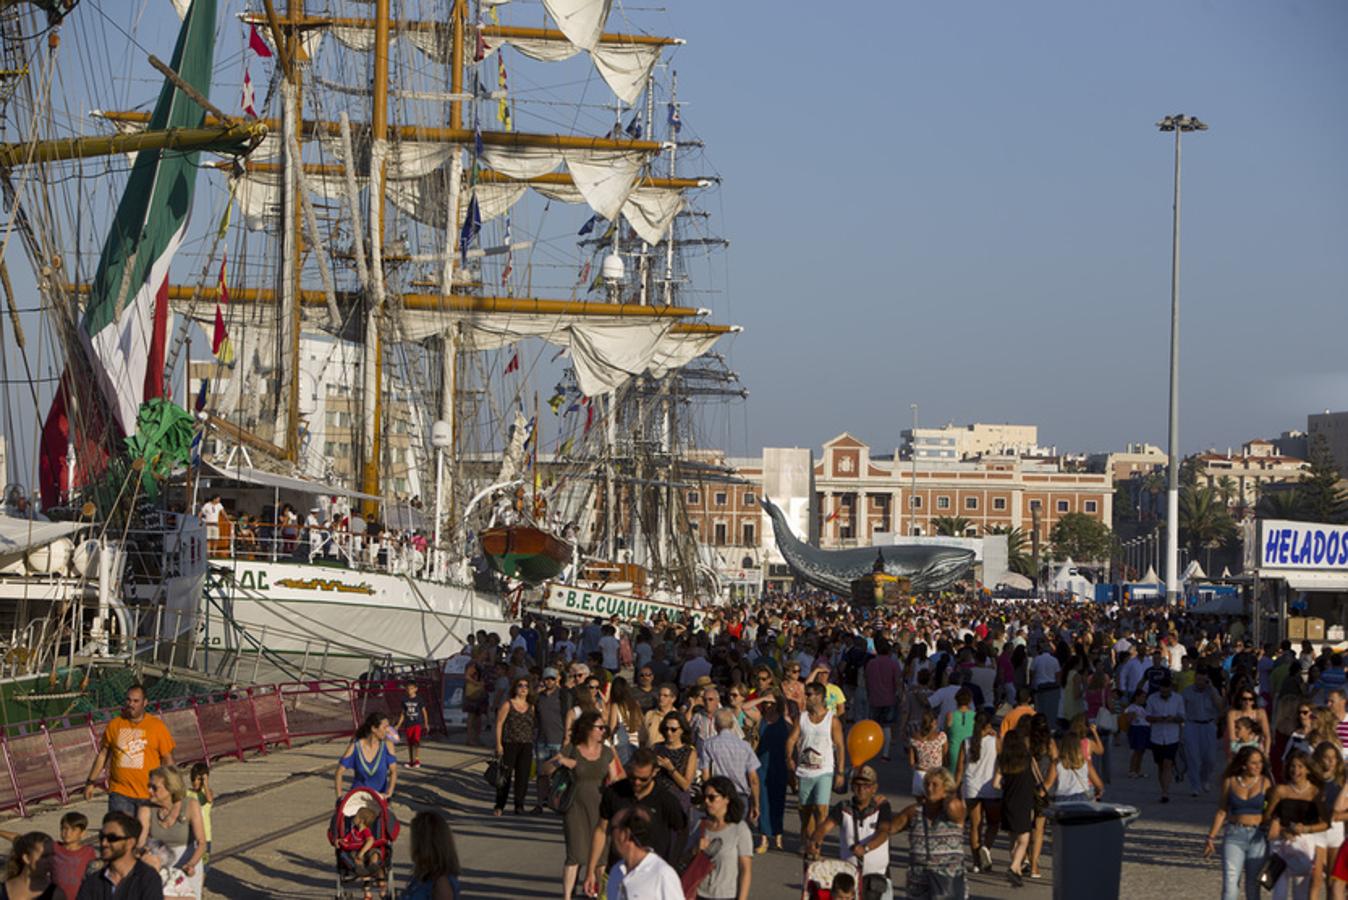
{"x":125,"y":322}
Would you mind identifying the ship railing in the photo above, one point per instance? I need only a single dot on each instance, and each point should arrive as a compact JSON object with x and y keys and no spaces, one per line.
{"x":322,"y":546}
{"x":48,"y":759}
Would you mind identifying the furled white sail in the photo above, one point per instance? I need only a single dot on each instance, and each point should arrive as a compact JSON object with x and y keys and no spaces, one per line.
{"x":624,"y":67}
{"x":649,"y":210}
{"x":582,"y":21}
{"x":603,"y":177}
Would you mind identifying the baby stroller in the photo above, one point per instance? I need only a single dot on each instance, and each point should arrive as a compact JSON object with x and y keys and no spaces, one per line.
{"x":371,"y":874}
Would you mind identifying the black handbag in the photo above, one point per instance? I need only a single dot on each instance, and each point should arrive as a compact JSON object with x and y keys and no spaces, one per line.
{"x":493,"y":774}
{"x":561,"y":790}
{"x":1274,"y":866}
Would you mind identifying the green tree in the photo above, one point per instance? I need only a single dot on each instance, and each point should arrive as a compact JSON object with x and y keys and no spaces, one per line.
{"x":1189,"y":469}
{"x":1082,"y":537}
{"x":1125,"y":506}
{"x":1321,"y":499}
{"x":1155,"y":485}
{"x":1205,"y":521}
{"x":1017,"y":549}
{"x":1279,"y":504}
{"x":1227,"y":489}
{"x":951,"y":526}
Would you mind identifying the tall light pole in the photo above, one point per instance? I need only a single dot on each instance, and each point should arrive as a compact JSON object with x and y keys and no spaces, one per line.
{"x":912,"y":491}
{"x":1179,"y":124}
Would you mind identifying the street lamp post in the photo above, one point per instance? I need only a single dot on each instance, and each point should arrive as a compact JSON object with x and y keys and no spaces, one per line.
{"x":1178,"y":124}
{"x":912,"y":491}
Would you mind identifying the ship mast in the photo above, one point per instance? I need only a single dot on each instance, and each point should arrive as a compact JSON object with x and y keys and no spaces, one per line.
{"x":372,"y":364}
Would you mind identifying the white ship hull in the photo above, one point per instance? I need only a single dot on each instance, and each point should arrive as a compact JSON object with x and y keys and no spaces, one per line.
{"x":336,"y":621}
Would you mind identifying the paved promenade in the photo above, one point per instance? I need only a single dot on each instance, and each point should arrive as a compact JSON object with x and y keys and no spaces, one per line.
{"x":271,"y":818}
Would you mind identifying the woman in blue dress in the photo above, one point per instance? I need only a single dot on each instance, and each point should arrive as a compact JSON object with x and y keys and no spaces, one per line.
{"x":773,"y":730}
{"x":370,"y":758}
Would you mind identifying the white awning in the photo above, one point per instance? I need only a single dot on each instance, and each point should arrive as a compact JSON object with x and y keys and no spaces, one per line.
{"x":1313,"y":581}
{"x":284,"y":482}
{"x":18,"y":536}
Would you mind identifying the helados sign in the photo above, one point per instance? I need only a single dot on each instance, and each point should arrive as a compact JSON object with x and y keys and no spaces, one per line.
{"x":582,"y":602}
{"x":1302,"y":545}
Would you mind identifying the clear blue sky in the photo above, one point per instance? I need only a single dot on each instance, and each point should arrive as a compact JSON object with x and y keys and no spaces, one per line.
{"x":967,"y":206}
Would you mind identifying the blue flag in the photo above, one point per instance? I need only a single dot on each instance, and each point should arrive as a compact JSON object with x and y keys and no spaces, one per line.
{"x":633,"y":128}
{"x":675,"y":123}
{"x":201,"y":395}
{"x":472,"y":224}
{"x":589,"y":224}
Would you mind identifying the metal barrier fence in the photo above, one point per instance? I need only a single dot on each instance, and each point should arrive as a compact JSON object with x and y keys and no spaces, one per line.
{"x":45,"y":760}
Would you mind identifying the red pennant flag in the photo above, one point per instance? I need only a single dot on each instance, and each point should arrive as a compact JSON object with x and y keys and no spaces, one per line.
{"x":220,"y":335}
{"x":514,"y":364}
{"x":589,"y":413}
{"x":248,"y":95}
{"x":481,"y":52}
{"x":256,"y":43}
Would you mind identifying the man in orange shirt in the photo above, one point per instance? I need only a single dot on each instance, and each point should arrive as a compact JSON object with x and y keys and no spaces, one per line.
{"x":133,"y":744}
{"x":1024,"y":707}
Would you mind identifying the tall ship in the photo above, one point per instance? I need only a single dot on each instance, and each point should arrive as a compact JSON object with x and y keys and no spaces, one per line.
{"x":352,"y":325}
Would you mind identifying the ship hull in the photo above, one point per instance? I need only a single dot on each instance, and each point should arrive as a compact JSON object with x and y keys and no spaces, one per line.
{"x":338,"y":621}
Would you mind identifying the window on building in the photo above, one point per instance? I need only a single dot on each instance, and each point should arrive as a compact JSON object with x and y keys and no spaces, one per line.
{"x":748,"y":534}
{"x":1091,"y":506}
{"x":1036,"y":504}
{"x":942,"y":502}
{"x":720,"y":498}
{"x":749,"y":498}
{"x":1063,"y":506}
{"x":719,"y":532}
{"x":915,"y":502}
{"x":694,"y":498}
{"x":696,"y":527}
{"x":999,"y":503}
{"x":971,"y":503}
{"x":971,"y":531}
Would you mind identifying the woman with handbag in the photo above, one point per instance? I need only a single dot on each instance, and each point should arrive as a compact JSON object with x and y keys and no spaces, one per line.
{"x":935,"y":827}
{"x":592,"y":763}
{"x":1020,"y":792}
{"x":1294,"y":816}
{"x":1044,"y":765}
{"x":1239,"y":822}
{"x":726,"y":842}
{"x":1100,"y":714}
{"x":514,"y":745}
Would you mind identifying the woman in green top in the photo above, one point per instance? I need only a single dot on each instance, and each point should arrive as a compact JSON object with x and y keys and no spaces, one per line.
{"x":959,"y":725}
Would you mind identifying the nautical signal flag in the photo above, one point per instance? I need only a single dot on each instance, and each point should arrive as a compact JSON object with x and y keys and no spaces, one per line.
{"x":247,"y":101}
{"x":555,"y":402}
{"x":221,"y":345}
{"x":472,"y":224}
{"x":256,"y":43}
{"x":202,"y":394}
{"x":514,"y":364}
{"x":675,"y":123}
{"x":589,"y":413}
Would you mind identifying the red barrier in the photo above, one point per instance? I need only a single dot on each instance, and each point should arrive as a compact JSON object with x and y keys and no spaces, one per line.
{"x":43,"y":761}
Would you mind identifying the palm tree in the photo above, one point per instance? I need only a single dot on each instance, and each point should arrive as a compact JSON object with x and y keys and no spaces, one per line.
{"x":1155,"y":484}
{"x":1205,"y":522}
{"x":1279,"y":504}
{"x":1226,"y":488}
{"x":1017,"y":559}
{"x":951,"y":526}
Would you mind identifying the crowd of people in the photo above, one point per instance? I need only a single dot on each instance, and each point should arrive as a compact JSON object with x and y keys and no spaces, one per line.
{"x":1000,"y":710}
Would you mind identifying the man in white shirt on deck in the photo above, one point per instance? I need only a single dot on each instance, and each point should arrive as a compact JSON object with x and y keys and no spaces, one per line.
{"x":210,"y":516}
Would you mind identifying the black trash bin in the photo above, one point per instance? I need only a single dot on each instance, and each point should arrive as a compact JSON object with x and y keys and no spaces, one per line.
{"x":1088,"y":849}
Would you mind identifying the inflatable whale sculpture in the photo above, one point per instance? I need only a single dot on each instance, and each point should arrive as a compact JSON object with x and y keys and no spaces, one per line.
{"x":928,"y":568}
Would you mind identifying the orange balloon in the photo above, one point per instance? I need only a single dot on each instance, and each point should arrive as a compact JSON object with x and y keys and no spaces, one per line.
{"x":864,"y":741}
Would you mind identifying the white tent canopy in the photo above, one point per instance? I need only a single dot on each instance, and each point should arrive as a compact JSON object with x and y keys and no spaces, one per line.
{"x":18,"y":536}
{"x":1194,"y":571}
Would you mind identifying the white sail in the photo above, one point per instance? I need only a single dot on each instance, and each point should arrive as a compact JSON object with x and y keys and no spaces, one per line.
{"x":582,"y":21}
